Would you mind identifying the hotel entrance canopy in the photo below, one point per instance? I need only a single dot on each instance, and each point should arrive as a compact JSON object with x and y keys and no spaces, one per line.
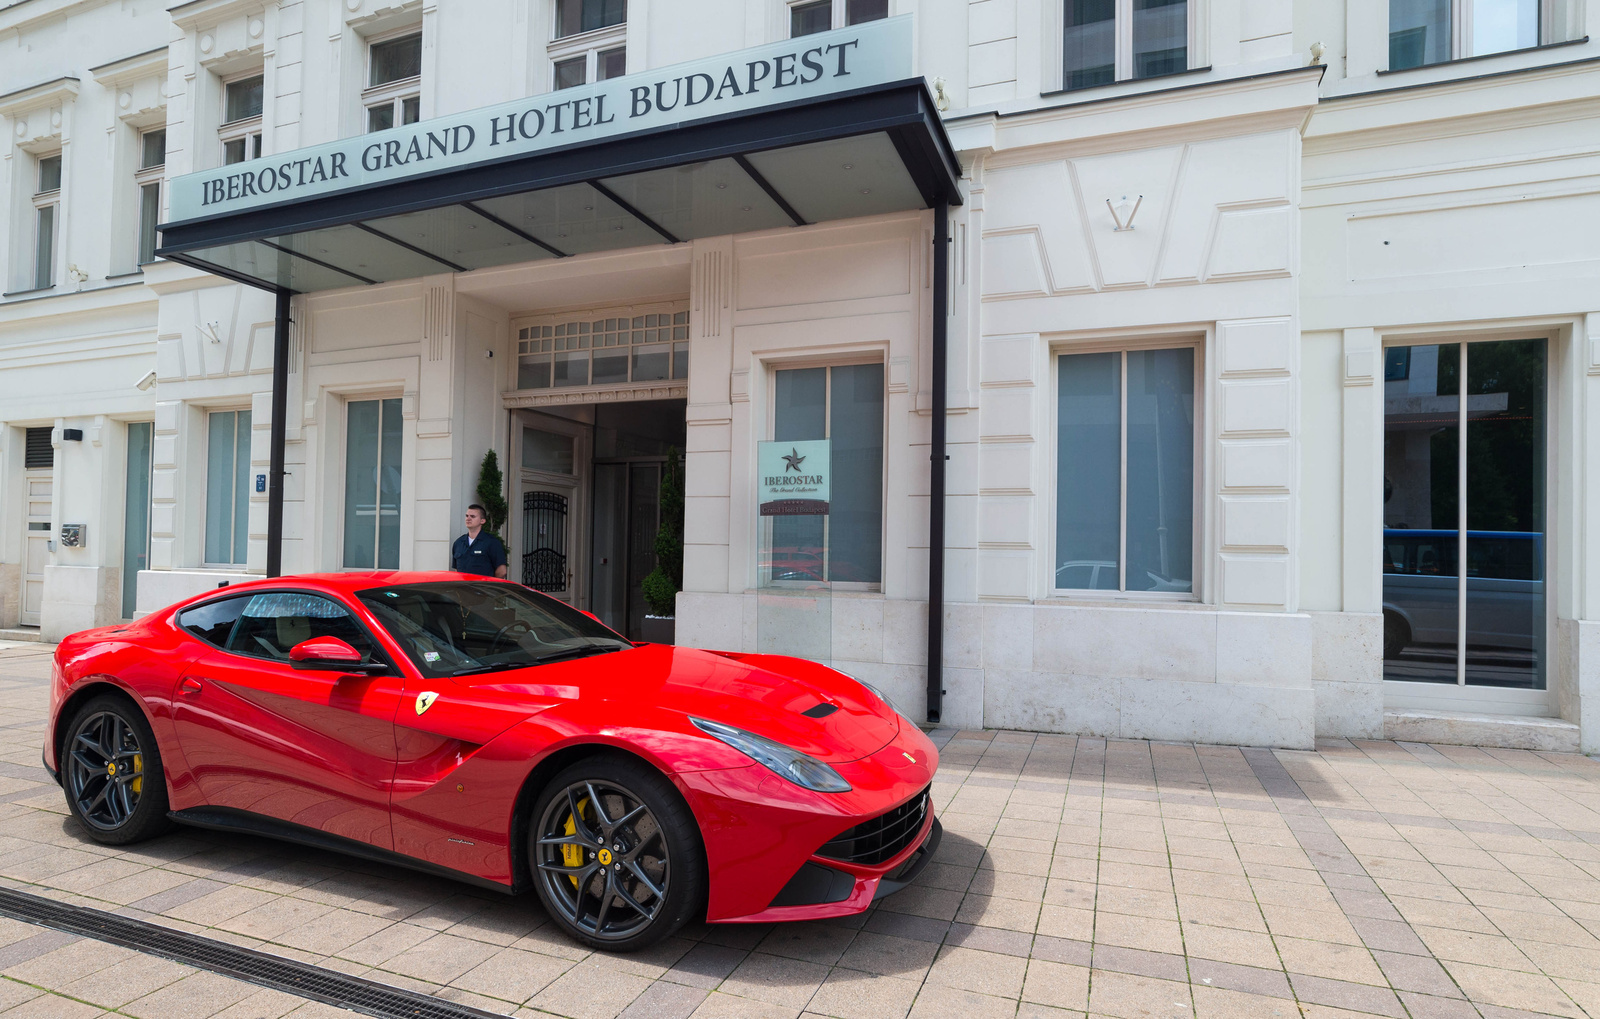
{"x":823,"y":127}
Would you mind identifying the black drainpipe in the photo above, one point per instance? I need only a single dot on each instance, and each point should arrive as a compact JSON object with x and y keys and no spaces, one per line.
{"x":937,"y":458}
{"x":280,"y":410}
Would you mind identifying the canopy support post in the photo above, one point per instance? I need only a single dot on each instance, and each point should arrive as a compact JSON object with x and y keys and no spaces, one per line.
{"x":280,"y":410}
{"x":938,"y":458}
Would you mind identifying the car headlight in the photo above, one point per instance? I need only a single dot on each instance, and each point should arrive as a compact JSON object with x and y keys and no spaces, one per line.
{"x":801,"y":769}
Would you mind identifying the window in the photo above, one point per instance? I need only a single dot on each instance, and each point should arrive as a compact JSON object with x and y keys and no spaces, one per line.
{"x":814,"y":16}
{"x":241,"y":119}
{"x":603,"y":351}
{"x":844,"y":404}
{"x":152,"y":164}
{"x":228,"y":487}
{"x":1115,"y":40}
{"x":1425,"y":32}
{"x":272,"y":623}
{"x":46,"y":214}
{"x":372,"y":485}
{"x":1464,"y":483}
{"x":1125,"y":471}
{"x":394,"y":82}
{"x":213,"y":621}
{"x":574,"y":17}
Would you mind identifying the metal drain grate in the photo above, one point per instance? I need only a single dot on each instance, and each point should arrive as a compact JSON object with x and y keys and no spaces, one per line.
{"x":296,"y":978}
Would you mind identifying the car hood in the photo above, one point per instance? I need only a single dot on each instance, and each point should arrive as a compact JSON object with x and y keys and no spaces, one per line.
{"x":763,"y":694}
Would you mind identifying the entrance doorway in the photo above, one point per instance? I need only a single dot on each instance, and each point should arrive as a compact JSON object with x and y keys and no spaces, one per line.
{"x":584,"y":524}
{"x":1464,"y":551}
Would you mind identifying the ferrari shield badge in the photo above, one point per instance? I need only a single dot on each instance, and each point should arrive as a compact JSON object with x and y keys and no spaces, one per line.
{"x":425,"y":700}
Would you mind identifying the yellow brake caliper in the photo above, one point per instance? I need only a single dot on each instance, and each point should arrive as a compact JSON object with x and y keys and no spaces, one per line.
{"x":137,"y":785}
{"x":572,"y":856}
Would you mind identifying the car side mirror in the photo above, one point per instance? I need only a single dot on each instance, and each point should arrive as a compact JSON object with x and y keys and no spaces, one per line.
{"x":330,"y":654}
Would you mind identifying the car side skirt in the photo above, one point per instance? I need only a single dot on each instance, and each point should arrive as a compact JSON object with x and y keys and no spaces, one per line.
{"x":232,"y":820}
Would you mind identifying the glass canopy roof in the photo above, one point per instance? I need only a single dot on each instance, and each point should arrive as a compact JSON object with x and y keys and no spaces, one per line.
{"x":837,"y":167}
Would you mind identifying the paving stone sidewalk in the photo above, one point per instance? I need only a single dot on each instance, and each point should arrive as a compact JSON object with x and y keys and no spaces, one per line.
{"x":1077,"y":877}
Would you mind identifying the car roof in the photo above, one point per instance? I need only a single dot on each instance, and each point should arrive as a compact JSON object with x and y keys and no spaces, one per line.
{"x":344,"y":583}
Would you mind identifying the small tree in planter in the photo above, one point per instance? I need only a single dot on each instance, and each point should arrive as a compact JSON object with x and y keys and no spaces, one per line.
{"x":491,"y":487}
{"x":663,"y":583}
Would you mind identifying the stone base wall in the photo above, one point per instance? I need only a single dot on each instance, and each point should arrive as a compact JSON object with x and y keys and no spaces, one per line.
{"x":79,"y":598}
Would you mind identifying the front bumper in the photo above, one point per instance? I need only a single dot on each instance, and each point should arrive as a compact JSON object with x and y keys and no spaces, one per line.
{"x":764,"y":834}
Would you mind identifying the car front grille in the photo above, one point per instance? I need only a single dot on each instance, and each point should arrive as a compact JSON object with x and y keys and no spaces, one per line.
{"x":880,"y":839}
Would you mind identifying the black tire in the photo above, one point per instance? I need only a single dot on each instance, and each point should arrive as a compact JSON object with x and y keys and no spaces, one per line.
{"x":1396,"y":635}
{"x":111,"y":772}
{"x":624,"y":876}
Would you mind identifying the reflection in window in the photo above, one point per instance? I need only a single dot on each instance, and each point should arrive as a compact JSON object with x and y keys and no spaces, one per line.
{"x":372,"y":485}
{"x":1421,"y":31}
{"x":1125,"y":445}
{"x":809,"y":19}
{"x":393,"y":95}
{"x":843,"y":404}
{"x":152,"y":164}
{"x":228,"y":487}
{"x":1095,"y":52}
{"x":240,"y":132}
{"x":575,"y":16}
{"x":46,"y":203}
{"x":1484,"y":626}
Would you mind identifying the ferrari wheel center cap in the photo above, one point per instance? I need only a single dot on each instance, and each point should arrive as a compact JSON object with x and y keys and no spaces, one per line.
{"x":604,"y":856}
{"x":111,"y":768}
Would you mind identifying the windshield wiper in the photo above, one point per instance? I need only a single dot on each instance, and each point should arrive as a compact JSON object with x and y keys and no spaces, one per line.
{"x":576,"y":652}
{"x":469,"y":670}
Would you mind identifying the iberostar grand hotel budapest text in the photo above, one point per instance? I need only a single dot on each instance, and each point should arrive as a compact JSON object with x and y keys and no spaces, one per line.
{"x":1175,"y":369}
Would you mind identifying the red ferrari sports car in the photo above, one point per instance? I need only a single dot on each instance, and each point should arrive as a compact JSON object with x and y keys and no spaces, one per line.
{"x":480,"y":730}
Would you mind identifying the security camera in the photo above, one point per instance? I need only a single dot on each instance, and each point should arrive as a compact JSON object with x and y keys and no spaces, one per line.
{"x":147,"y":380}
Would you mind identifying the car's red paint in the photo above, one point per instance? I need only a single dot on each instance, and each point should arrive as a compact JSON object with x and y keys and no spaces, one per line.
{"x":350,"y":754}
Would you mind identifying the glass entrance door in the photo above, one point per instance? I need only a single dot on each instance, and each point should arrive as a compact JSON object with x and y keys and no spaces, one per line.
{"x":1464,"y":517}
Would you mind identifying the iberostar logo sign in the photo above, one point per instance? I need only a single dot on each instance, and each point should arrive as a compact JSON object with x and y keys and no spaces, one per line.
{"x":792,"y":478}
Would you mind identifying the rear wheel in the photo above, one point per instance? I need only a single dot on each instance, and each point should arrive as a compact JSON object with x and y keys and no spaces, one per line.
{"x":616,"y":854}
{"x":1396,"y":635}
{"x":111,"y":771}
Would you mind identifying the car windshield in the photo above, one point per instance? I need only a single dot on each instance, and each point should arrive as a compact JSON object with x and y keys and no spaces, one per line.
{"x":459,"y":628}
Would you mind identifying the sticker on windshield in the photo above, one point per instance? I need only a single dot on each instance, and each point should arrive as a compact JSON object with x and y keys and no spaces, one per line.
{"x":430,"y":656}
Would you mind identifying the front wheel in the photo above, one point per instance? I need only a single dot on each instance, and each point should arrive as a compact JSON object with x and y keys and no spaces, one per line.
{"x":616,"y":854}
{"x":112,"y":772}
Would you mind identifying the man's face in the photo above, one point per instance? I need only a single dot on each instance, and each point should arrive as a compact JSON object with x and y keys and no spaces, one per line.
{"x":474,"y":519}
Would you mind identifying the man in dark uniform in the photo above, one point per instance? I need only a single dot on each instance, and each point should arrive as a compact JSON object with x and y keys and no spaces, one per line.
{"x":478,"y":551}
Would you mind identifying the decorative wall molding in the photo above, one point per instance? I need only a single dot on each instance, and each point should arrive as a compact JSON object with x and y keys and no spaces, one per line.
{"x":673,"y":389}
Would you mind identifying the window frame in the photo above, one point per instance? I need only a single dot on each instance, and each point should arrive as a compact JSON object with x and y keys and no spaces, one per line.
{"x":1200,"y":542}
{"x":393,"y":94}
{"x":205,"y":560}
{"x":146,"y":177}
{"x":589,"y":46}
{"x":585,"y":316}
{"x":248,"y":129}
{"x":1461,"y":36}
{"x":44,"y":269}
{"x":1054,"y":81}
{"x":830,"y":361}
{"x":838,"y":16}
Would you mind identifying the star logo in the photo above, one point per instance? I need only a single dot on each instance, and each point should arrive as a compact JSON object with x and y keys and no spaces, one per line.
{"x":425,"y":700}
{"x":793,"y":460}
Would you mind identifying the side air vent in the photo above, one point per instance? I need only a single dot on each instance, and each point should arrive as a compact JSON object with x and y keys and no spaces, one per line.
{"x":822,"y":710}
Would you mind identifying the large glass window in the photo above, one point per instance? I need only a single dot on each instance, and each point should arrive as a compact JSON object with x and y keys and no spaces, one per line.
{"x":844,"y":404}
{"x":394,"y":82}
{"x":242,"y":103}
{"x":1464,"y":484}
{"x":1095,"y":51}
{"x":372,"y":485}
{"x":228,"y":487}
{"x":576,"y":16}
{"x":1425,"y":32}
{"x":46,"y":205}
{"x":1125,"y":471}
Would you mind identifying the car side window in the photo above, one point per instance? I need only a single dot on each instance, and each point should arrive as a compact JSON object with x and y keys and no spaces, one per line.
{"x":213,"y":621}
{"x":274,"y":622}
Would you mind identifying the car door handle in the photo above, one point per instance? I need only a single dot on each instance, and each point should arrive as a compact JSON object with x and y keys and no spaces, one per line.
{"x":189,"y":684}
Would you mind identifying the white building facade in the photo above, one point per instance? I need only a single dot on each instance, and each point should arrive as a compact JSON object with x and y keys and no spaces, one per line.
{"x":1217,"y":274}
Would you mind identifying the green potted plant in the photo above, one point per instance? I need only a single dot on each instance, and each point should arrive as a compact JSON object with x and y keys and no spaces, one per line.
{"x":662,"y":584}
{"x":491,"y":486}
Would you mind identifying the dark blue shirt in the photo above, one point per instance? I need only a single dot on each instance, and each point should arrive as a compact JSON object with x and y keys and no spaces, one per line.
{"x":482,"y":557}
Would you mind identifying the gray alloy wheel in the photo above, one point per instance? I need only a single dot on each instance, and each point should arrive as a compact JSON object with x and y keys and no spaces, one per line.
{"x":112,"y":774}
{"x":616,"y":855}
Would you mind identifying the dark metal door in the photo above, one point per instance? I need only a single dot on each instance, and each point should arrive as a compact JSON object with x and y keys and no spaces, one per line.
{"x":544,"y":534}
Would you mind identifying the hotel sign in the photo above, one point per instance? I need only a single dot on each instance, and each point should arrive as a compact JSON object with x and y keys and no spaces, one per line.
{"x":812,"y":66}
{"x":792,"y":478}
